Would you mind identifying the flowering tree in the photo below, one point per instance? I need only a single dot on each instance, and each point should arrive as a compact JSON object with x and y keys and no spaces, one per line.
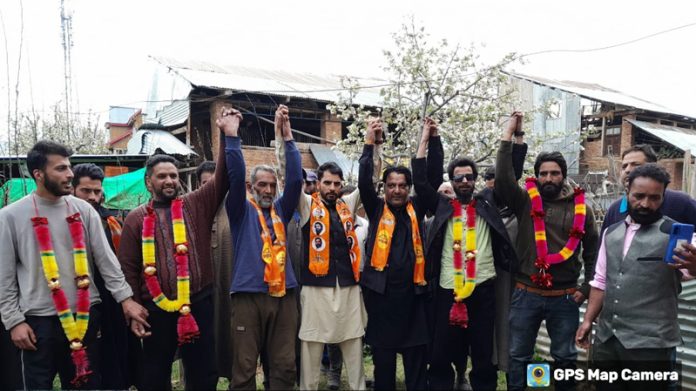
{"x":84,"y":136}
{"x":468,"y":99}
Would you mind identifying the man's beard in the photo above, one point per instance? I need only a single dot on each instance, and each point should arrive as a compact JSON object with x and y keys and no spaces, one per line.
{"x":263,"y":201}
{"x":162,"y":196}
{"x":550,"y":191}
{"x":330,"y":198}
{"x":55,"y":188}
{"x":465,"y":196}
{"x":644,"y":216}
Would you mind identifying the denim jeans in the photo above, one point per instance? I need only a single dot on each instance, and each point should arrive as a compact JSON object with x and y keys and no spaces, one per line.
{"x":527,"y":310}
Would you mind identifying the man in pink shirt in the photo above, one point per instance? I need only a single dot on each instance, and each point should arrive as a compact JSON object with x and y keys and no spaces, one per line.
{"x":634,"y":293}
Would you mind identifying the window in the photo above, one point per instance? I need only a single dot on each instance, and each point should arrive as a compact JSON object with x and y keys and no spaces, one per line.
{"x":614,"y":131}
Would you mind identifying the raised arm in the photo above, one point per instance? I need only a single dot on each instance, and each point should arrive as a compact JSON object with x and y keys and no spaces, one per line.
{"x":293,"y":165}
{"x":422,"y":182}
{"x":228,"y":122}
{"x":368,"y":194}
{"x":506,"y":187}
{"x":209,"y":196}
{"x":435,"y":161}
{"x":519,"y":153}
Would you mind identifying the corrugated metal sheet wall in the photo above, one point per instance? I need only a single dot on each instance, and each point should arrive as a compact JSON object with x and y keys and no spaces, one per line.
{"x":687,"y":323}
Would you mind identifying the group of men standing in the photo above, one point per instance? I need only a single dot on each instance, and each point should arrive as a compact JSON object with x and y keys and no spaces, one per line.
{"x":234,"y":271}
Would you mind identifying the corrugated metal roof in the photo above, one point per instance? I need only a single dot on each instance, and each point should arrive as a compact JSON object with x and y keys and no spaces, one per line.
{"x":149,"y":142}
{"x":681,"y":138}
{"x":121,"y":115}
{"x":174,"y":114}
{"x":323,"y":154}
{"x":274,"y":82}
{"x":601,"y":93}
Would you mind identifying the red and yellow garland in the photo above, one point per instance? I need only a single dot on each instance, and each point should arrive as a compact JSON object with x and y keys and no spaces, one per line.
{"x":187,"y":328}
{"x":74,"y":328}
{"x":544,"y":260}
{"x":463,"y":288}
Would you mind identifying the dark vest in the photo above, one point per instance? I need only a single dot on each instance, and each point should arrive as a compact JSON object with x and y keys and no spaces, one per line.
{"x":378,"y":280}
{"x":339,"y":255}
{"x":640,"y":298}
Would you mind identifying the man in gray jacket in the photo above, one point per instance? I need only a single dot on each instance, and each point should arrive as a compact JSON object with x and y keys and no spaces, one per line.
{"x":28,"y":311}
{"x":635,"y":291}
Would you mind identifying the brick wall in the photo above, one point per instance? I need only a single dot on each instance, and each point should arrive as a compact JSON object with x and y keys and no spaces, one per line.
{"x":626,"y":133}
{"x":262,"y":155}
{"x":591,"y":158}
{"x":675,"y":169}
{"x":331,"y":127}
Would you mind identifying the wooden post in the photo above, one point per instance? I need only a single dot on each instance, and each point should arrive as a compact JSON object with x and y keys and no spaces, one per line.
{"x":215,"y":109}
{"x":687,"y":183}
{"x":604,"y":129}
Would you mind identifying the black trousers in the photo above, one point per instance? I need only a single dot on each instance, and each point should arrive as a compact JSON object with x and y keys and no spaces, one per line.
{"x":414,"y":360}
{"x":52,"y":354}
{"x":198,"y":356}
{"x":453,"y":343}
{"x":115,"y":371}
{"x":10,"y":370}
{"x":613,"y":356}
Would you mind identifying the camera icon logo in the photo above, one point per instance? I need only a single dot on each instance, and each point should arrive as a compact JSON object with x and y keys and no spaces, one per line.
{"x":538,"y":375}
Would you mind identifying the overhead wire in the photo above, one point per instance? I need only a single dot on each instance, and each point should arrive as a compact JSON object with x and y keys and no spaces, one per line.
{"x":399,"y":83}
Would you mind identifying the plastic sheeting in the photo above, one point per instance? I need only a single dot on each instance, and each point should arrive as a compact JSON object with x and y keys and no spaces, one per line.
{"x":123,"y":192}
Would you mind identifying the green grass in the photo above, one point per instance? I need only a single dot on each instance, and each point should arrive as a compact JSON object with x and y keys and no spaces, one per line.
{"x":223,"y":383}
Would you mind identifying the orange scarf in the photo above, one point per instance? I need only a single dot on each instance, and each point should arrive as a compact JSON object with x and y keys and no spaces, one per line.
{"x":273,"y":253}
{"x":319,"y":224}
{"x":385,"y":231}
{"x":115,"y":229}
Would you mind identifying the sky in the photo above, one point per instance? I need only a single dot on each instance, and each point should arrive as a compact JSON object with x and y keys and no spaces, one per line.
{"x":112,"y":41}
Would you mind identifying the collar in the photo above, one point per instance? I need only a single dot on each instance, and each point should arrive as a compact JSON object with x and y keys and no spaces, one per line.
{"x":623,"y":207}
{"x":630,"y":225}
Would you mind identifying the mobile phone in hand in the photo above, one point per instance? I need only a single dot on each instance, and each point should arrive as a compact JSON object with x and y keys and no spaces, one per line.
{"x":680,"y":234}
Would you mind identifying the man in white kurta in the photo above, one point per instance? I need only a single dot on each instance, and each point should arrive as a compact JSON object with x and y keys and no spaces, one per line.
{"x":332,"y":307}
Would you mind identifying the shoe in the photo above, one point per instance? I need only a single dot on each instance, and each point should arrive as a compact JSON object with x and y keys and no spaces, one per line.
{"x":462,"y":384}
{"x":333,"y":380}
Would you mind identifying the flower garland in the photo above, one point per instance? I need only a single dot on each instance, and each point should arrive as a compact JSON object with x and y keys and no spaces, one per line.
{"x":544,"y":260}
{"x":74,"y":328}
{"x":187,"y":328}
{"x":463,"y":288}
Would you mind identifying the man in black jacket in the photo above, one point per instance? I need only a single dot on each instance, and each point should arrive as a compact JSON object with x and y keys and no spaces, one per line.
{"x":395,"y":272}
{"x":493,"y":248}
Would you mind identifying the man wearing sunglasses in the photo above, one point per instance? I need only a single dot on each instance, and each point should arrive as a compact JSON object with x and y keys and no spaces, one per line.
{"x":493,"y":247}
{"x":534,"y":300}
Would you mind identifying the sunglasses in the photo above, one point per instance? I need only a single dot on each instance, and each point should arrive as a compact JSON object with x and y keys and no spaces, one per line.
{"x":460,"y":178}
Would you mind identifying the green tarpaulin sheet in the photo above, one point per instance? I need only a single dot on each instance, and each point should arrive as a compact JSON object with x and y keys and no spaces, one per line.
{"x":124,"y":192}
